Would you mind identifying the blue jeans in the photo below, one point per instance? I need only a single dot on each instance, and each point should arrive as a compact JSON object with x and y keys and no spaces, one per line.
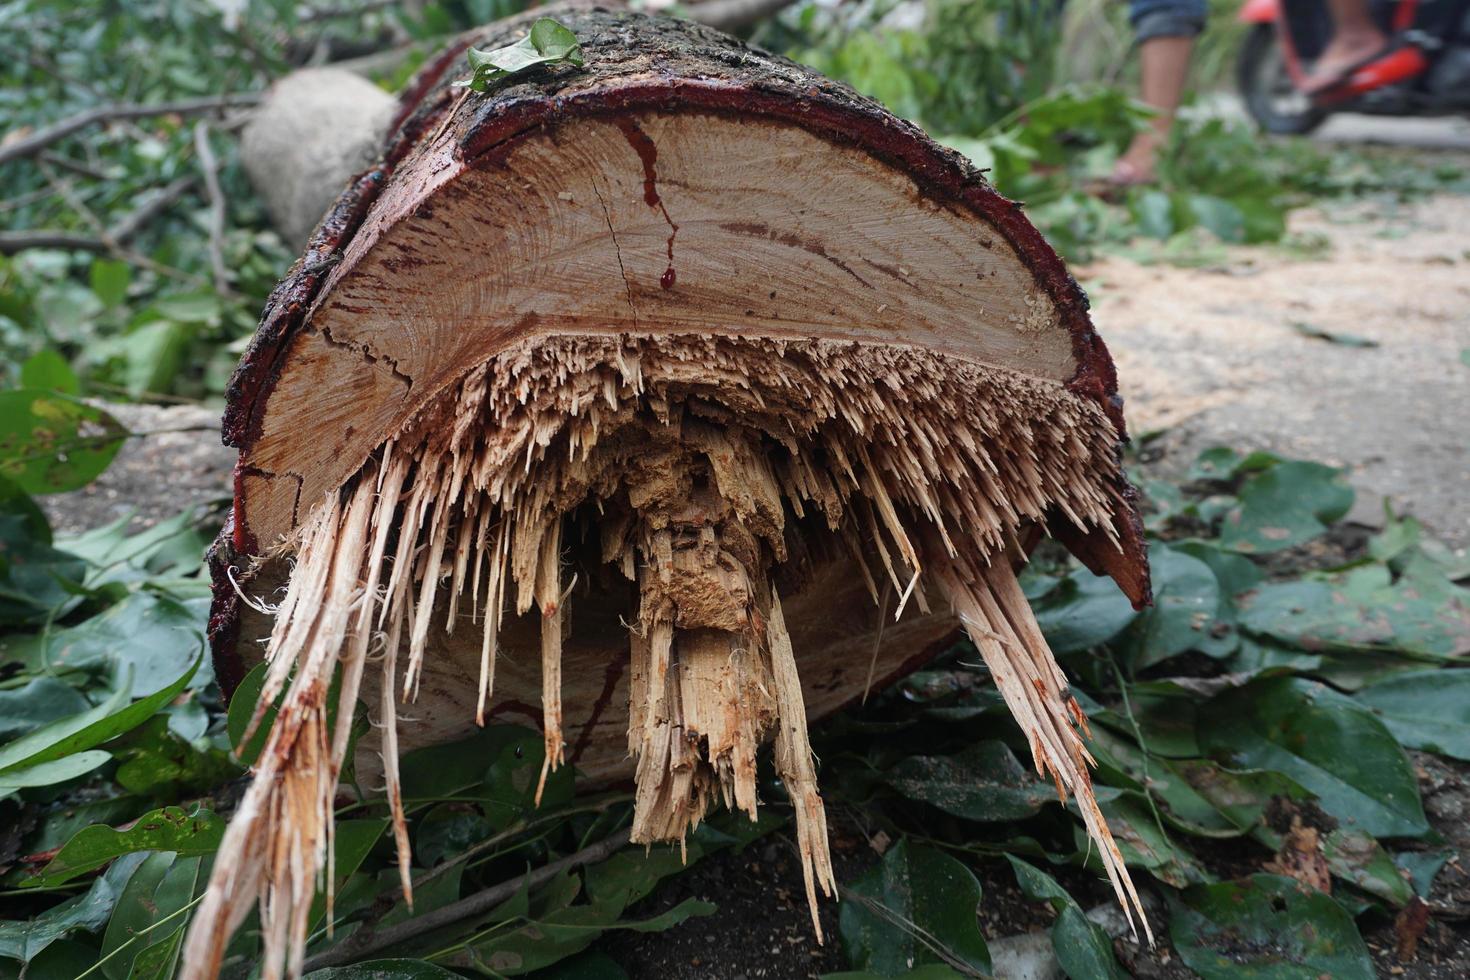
{"x":1166,"y":18}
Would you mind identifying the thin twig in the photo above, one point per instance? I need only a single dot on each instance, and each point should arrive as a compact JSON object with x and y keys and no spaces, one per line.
{"x":371,"y":940}
{"x":36,"y":142}
{"x":107,"y":240}
{"x":210,"y":166}
{"x":63,"y":190}
{"x":74,"y":166}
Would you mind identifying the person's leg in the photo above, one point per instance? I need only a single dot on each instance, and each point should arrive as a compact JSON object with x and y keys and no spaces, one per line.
{"x":1165,"y":30}
{"x":1355,"y":38}
{"x":1163,"y":69}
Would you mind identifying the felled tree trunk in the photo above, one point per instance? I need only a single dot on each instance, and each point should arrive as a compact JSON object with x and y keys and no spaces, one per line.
{"x":667,"y":403}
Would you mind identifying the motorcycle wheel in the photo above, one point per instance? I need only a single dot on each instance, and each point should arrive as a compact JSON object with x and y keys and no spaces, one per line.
{"x":1270,"y":97}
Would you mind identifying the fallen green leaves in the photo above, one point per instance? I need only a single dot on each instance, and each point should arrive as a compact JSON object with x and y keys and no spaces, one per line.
{"x":547,"y":43}
{"x":50,"y":442}
{"x":1266,"y":926}
{"x":916,"y":907}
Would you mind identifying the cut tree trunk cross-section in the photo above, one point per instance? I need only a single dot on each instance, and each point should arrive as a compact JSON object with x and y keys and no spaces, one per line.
{"x":669,"y":403}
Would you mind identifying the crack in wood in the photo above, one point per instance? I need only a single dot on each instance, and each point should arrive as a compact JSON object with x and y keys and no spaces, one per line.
{"x":367,"y":355}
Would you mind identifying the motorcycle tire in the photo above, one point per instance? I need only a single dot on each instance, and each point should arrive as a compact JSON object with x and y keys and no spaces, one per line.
{"x":1270,"y":98}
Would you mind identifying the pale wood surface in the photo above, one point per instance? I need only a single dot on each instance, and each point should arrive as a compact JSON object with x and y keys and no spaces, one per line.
{"x":780,"y":234}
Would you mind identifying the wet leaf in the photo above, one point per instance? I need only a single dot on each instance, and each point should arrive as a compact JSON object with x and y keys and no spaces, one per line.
{"x":1323,"y":741}
{"x":1285,"y":506}
{"x":51,"y":443}
{"x":1266,"y":926}
{"x":1427,"y":709}
{"x":916,"y":907}
{"x":168,"y":829}
{"x":984,"y":782}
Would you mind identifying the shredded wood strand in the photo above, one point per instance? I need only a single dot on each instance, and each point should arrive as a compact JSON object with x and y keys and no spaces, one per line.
{"x":698,"y":454}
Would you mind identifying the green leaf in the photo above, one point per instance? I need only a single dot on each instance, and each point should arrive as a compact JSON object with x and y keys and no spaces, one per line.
{"x":446,"y":830}
{"x":163,"y":766}
{"x":51,"y":443}
{"x":201,"y":307}
{"x":1219,"y":216}
{"x":1224,"y":463}
{"x":42,"y":700}
{"x":51,"y":773}
{"x":1324,"y":741}
{"x":385,"y":970}
{"x":1186,"y":600}
{"x":1428,"y":709}
{"x":154,"y":355}
{"x":1266,"y":927}
{"x":1285,"y":506}
{"x":110,"y":280}
{"x":24,"y":940}
{"x":1142,"y":841}
{"x":1240,"y":796}
{"x":168,"y":829}
{"x":83,"y":731}
{"x":1082,"y":611}
{"x":1154,"y":214}
{"x":49,"y":370}
{"x":1365,"y":610}
{"x":548,"y":43}
{"x":242,"y":709}
{"x":352,"y":841}
{"x":983,"y":782}
{"x":38,"y":583}
{"x":1082,"y":947}
{"x":161,"y":886}
{"x":916,"y":907}
{"x":1358,"y":858}
{"x":153,"y":635}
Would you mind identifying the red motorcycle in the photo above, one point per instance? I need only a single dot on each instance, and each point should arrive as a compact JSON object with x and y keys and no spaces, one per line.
{"x":1424,"y":71}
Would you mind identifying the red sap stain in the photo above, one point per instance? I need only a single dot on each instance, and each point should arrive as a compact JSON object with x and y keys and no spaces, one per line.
{"x":648,"y":155}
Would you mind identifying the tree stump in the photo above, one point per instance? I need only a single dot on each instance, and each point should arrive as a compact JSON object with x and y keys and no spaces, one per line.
{"x":667,"y":403}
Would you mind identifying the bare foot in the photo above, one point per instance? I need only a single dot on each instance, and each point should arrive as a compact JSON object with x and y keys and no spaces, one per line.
{"x":1347,"y":50}
{"x":1138,"y":163}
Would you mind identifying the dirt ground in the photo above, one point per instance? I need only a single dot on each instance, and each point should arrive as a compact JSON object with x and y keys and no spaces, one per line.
{"x":762,"y":930}
{"x":1218,"y":355}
